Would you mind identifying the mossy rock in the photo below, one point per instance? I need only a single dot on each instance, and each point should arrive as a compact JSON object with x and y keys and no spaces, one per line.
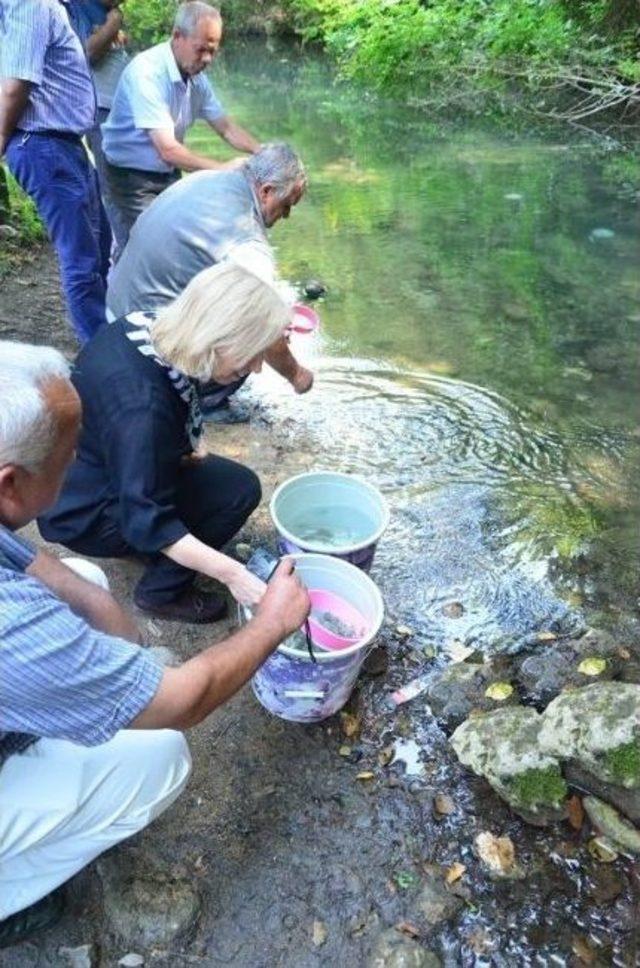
{"x":502,"y":746}
{"x":598,"y":727}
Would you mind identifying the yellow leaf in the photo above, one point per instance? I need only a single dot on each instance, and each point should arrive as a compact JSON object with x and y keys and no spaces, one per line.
{"x":454,"y":873}
{"x":365,"y":775}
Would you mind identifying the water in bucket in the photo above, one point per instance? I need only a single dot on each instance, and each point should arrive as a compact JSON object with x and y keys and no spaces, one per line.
{"x":333,"y":526}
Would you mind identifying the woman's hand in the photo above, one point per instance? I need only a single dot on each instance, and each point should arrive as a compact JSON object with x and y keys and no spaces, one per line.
{"x":246,"y":588}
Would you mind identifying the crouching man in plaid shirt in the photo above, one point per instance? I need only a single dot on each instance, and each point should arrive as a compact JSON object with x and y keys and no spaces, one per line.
{"x":91,"y":748}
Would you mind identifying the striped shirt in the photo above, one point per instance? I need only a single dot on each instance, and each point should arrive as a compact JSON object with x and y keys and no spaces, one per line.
{"x":152,"y":95}
{"x":59,"y":678}
{"x":38,"y":45}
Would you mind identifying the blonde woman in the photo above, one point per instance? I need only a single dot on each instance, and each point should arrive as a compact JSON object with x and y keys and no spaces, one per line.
{"x":135,"y":487}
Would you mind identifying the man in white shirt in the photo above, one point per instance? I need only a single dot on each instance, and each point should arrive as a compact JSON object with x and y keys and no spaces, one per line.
{"x":159,"y":95}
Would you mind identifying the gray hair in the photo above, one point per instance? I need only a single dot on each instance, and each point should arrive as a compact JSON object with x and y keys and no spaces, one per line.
{"x":189,"y":15}
{"x":27,"y":428}
{"x":277,"y":164}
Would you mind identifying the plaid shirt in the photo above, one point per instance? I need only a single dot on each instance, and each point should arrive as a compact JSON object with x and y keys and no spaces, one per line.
{"x":38,"y":45}
{"x":60,"y":678}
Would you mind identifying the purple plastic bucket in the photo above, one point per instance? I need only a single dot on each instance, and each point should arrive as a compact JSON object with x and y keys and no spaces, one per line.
{"x":289,"y":684}
{"x":329,"y":513}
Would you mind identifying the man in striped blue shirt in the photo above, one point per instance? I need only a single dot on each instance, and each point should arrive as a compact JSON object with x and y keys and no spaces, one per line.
{"x":47,"y":102}
{"x":90,"y":748}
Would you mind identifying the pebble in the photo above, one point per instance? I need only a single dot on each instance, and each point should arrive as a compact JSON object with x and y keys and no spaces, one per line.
{"x":314,"y":289}
{"x":453,"y":610}
{"x":81,"y":957}
{"x":319,"y":933}
{"x":404,"y":631}
{"x":132,"y":960}
{"x":443,"y":805}
{"x":8,"y":232}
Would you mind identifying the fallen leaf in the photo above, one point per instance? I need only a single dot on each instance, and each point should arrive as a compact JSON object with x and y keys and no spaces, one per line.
{"x":498,"y":853}
{"x":406,"y":927}
{"x":575,"y":812}
{"x":443,"y":804}
{"x":602,"y":850}
{"x":546,"y":637}
{"x":499,"y":691}
{"x":593,"y":666}
{"x":365,"y":775}
{"x":319,"y":933}
{"x":350,"y":725}
{"x":386,"y":755}
{"x":624,"y":653}
{"x":454,"y":873}
{"x":344,"y":751}
{"x":458,"y":651}
{"x":404,"y":631}
{"x":583,"y":950}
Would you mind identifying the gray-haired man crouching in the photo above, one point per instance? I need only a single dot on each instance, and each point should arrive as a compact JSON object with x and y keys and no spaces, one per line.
{"x":203,"y":219}
{"x":90,"y":743}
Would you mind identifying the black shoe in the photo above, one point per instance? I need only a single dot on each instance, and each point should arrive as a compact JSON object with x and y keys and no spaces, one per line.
{"x":224,"y":414}
{"x":192,"y":606}
{"x":37,"y":917}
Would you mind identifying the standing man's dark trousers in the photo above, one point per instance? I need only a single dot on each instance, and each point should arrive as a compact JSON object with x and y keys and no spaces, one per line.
{"x":53,"y":168}
{"x":132,"y":191}
{"x":215,"y":498}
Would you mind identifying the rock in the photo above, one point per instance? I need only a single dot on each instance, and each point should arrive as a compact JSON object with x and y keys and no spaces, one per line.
{"x":624,"y":800}
{"x":545,"y":673}
{"x":618,"y":830}
{"x":503,"y":747}
{"x":435,"y":904}
{"x":605,"y":884}
{"x":453,"y":610}
{"x":598,"y":726}
{"x":319,"y":933}
{"x":498,"y":855}
{"x":393,"y":949}
{"x":243,"y":551}
{"x":377,"y":662}
{"x":131,"y":960}
{"x":443,"y":805}
{"x":314,"y":289}
{"x":459,"y":689}
{"x":8,"y":232}
{"x":83,"y":956}
{"x":147,"y":911}
{"x":601,"y":235}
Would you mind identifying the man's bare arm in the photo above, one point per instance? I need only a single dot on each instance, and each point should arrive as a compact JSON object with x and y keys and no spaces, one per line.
{"x":95,"y":605}
{"x":188,"y":694}
{"x":234,"y":135}
{"x":175,"y":154}
{"x":102,"y":38}
{"x":14,"y":96}
{"x":280,"y":357}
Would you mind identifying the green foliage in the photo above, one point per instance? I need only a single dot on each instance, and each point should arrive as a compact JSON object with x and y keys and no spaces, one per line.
{"x":538,"y":787}
{"x":623,"y":764}
{"x":149,"y":21}
{"x":18,"y":211}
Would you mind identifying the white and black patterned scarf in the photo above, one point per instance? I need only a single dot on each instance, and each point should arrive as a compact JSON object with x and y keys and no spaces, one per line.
{"x":137,"y":330}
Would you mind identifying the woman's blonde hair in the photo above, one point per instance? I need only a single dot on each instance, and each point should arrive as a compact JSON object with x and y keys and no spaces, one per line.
{"x":226,"y":308}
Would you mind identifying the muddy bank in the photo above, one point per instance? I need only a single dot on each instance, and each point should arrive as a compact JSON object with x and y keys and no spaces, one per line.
{"x":302,"y":846}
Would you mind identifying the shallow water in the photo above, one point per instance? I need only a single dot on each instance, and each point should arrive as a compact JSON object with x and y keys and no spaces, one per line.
{"x":477,"y":361}
{"x":477,"y":356}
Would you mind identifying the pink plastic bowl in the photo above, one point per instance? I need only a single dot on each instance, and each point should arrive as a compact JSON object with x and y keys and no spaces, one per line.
{"x":322,"y":601}
{"x":303,"y":319}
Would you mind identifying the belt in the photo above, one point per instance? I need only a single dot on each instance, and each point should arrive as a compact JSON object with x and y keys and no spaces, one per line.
{"x":63,"y":135}
{"x":145,"y":173}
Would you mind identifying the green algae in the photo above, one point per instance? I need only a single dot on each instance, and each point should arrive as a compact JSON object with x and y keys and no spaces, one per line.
{"x":623,"y":764}
{"x":537,"y":787}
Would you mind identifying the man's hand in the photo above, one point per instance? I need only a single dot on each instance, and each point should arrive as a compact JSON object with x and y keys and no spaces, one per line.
{"x":302,"y":380}
{"x":285,"y":604}
{"x":235,"y":163}
{"x":187,"y":694}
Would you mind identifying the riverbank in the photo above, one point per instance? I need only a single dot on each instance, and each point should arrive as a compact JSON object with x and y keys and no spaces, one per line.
{"x":350,"y":842}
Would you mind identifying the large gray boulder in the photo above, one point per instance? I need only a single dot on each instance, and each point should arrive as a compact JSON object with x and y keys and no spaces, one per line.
{"x":598,"y":727}
{"x":503,"y":746}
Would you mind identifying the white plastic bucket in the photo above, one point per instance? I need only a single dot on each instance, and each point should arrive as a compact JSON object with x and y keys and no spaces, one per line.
{"x":289,"y":684}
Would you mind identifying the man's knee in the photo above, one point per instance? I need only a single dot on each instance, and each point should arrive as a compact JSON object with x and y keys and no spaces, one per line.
{"x":163,"y":760}
{"x":252,"y":490}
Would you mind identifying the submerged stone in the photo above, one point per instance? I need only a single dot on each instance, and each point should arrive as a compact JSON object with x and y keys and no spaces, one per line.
{"x":607,"y":819}
{"x":394,"y":949}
